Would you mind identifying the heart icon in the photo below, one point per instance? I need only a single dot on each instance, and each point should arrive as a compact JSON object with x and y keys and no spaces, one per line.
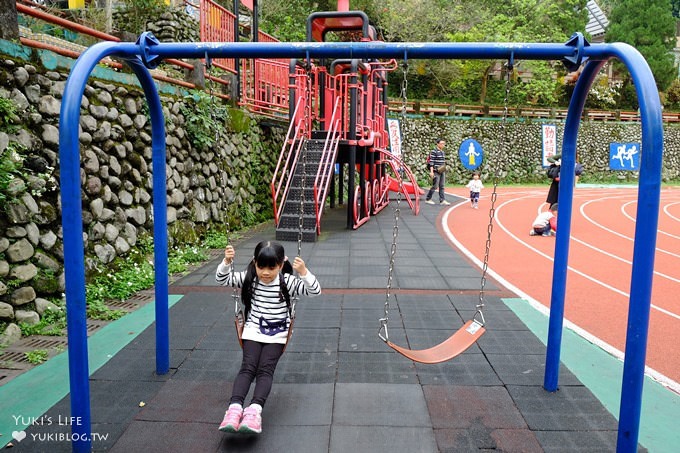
{"x":19,"y":435}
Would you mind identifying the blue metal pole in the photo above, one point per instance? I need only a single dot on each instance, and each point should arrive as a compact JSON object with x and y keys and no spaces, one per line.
{"x":565,"y":199}
{"x":74,"y":260}
{"x":649,"y":192}
{"x":160,"y":220}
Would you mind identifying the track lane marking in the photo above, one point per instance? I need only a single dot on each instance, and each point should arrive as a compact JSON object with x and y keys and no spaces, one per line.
{"x":651,"y":372}
{"x":616,"y":233}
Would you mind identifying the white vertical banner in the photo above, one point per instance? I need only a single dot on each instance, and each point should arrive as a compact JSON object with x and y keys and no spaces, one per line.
{"x":394,"y":130}
{"x":549,"y":134}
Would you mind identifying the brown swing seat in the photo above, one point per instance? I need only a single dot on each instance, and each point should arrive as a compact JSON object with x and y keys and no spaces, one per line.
{"x":453,"y":346}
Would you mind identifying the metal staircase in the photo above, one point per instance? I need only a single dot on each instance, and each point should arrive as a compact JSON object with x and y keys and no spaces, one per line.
{"x":310,"y":172}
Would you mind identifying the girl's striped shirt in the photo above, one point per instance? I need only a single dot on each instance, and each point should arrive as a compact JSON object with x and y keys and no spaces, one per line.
{"x":268,"y":319}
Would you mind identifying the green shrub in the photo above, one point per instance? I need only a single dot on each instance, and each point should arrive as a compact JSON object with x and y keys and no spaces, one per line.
{"x":204,"y":116}
{"x":10,"y":168}
{"x":52,"y":322}
{"x":8,"y":115}
{"x":216,"y":239}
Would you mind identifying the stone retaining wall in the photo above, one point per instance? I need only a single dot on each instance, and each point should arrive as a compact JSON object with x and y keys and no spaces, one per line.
{"x":229,"y":181}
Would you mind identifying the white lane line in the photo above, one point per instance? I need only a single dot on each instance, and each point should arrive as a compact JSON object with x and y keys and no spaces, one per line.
{"x":500,"y":224}
{"x":665,"y":211}
{"x":651,"y":372}
{"x":616,"y":233}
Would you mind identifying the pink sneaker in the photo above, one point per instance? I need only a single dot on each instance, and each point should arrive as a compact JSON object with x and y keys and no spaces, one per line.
{"x":232,"y":419}
{"x":252,"y":420}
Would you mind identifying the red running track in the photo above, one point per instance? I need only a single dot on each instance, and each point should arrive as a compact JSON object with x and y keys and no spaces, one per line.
{"x":600,"y":255}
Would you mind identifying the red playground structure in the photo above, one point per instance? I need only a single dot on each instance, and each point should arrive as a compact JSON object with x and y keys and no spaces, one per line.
{"x":338,"y":139}
{"x":337,"y":149}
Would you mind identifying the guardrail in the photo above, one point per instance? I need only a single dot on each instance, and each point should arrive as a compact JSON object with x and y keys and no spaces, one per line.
{"x":282,"y":177}
{"x":217,"y":25}
{"x":73,"y":50}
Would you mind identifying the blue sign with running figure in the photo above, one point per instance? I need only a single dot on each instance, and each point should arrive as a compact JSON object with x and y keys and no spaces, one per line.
{"x":624,"y":156}
{"x":471,"y":154}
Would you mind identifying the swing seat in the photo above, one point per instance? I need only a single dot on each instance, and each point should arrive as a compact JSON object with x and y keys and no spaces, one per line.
{"x":453,"y":346}
{"x":239,"y":322}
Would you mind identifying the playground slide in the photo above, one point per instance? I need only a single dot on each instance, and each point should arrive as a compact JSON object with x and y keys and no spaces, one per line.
{"x":394,"y":187}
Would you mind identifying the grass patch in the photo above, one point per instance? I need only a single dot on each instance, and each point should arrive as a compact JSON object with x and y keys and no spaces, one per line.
{"x":179,"y":259}
{"x":124,"y":277}
{"x":37,"y":356}
{"x":52,"y":323}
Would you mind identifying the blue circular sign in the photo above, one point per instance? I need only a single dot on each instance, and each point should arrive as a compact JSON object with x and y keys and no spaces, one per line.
{"x":471,"y":154}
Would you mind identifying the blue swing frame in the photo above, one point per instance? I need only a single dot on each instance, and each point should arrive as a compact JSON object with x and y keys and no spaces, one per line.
{"x":148,"y":52}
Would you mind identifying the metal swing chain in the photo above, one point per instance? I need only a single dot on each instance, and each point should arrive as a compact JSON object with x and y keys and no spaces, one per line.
{"x":383,"y":332}
{"x":307,"y":120}
{"x":494,"y":195}
{"x":303,"y":183}
{"x":209,"y":84}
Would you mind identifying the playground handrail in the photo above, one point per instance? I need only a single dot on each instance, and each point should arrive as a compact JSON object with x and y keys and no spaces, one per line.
{"x":324,"y":172}
{"x":264,"y":85}
{"x":285,"y":164}
{"x":217,"y":25}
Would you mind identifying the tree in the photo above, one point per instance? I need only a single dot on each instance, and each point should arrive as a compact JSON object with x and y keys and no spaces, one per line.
{"x":452,"y":21}
{"x":675,"y":7}
{"x":520,"y":21}
{"x":287,"y":20}
{"x":649,"y":26}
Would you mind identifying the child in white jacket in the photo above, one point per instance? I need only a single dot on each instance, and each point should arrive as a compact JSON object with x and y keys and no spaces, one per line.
{"x":475,"y":185}
{"x":545,"y":224}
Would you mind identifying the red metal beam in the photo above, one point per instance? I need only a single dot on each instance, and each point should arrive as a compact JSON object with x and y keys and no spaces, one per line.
{"x":39,"y":14}
{"x":74,"y":26}
{"x":61,"y":51}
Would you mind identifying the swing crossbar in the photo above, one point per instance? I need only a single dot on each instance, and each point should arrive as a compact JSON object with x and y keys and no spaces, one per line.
{"x":453,"y":346}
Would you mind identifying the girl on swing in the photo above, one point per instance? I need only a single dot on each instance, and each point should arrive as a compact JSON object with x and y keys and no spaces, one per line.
{"x":267,"y":286}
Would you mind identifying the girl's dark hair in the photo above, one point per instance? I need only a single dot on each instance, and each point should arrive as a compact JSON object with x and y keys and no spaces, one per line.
{"x":266,"y":254}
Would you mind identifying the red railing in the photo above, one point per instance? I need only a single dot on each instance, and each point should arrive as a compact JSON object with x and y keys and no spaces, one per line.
{"x":338,"y":87}
{"x":379,"y":117}
{"x":283,"y":176}
{"x":326,"y":164}
{"x":265,"y":86}
{"x":217,"y":25}
{"x":264,"y":37}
